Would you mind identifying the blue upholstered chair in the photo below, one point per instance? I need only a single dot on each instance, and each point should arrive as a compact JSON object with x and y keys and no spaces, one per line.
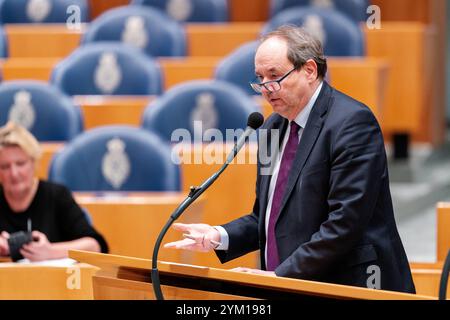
{"x":339,"y":35}
{"x":43,"y":11}
{"x":108,"y":68}
{"x":116,"y":158}
{"x":3,"y":44}
{"x":354,"y":9}
{"x":191,"y":10}
{"x":239,"y":67}
{"x":41,"y":108}
{"x":146,"y":28}
{"x":199,"y":105}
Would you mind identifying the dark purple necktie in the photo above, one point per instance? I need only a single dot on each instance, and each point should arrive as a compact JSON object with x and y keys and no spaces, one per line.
{"x":283,"y":174}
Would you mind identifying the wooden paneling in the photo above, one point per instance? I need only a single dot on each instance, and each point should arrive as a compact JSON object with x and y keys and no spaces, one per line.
{"x":249,"y":10}
{"x":47,"y":41}
{"x":40,"y":282}
{"x":97,"y":7}
{"x":405,"y":47}
{"x":131,"y":223}
{"x":112,"y":110}
{"x":362,"y":78}
{"x":408,"y":10}
{"x":391,"y":10}
{"x":427,"y":277}
{"x":228,"y":198}
{"x":413,"y":102}
{"x":219,"y":39}
{"x":28,"y":68}
{"x":138,"y":270}
{"x":443,"y":230}
{"x":178,"y":70}
{"x":41,"y":41}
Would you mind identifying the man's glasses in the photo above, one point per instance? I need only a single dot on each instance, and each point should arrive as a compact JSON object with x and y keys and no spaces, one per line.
{"x":271,"y":86}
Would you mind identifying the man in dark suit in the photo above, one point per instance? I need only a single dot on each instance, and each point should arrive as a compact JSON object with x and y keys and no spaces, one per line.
{"x":323,"y":209}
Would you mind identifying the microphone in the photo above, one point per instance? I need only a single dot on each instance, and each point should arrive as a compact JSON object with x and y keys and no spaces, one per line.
{"x":254,"y":121}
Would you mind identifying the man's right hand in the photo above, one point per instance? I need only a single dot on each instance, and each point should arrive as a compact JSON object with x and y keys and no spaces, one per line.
{"x":198,"y":237}
{"x":4,"y":247}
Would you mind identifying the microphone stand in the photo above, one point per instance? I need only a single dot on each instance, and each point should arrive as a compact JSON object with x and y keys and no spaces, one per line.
{"x":193,"y":195}
{"x":444,"y":278}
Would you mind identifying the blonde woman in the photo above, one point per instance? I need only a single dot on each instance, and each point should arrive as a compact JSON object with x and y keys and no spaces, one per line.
{"x":57,"y":223}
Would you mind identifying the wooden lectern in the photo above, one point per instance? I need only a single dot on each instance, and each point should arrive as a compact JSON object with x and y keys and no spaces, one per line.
{"x":122,"y":277}
{"x":46,"y":282}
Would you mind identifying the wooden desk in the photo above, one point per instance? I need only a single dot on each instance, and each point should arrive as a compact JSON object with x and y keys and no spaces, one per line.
{"x":175,"y":70}
{"x":220,"y":39}
{"x":230,"y":197}
{"x":56,"y":40}
{"x":37,"y":282}
{"x":362,"y":78}
{"x":42,"y":40}
{"x":407,"y":48}
{"x":178,"y":70}
{"x":427,"y":277}
{"x":111,"y":110}
{"x":131,"y":222}
{"x":128,"y":278}
{"x":28,"y":68}
{"x":443,"y":230}
{"x":411,"y":104}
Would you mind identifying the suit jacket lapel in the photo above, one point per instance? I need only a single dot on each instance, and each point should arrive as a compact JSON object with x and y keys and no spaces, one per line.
{"x":308,"y":139}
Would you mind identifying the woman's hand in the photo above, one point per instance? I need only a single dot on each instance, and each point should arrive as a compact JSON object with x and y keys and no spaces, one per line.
{"x":4,"y":246}
{"x":39,"y":249}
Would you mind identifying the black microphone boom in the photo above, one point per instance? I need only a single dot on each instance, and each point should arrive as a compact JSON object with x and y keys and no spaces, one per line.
{"x":254,"y":121}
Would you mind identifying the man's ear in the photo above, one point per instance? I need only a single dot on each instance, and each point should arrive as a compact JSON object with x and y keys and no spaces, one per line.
{"x":310,"y":68}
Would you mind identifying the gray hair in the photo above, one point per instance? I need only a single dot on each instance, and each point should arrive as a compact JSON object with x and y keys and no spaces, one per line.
{"x":302,"y":46}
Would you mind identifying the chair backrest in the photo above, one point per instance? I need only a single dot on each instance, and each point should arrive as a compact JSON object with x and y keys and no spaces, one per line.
{"x":239,"y":67}
{"x":43,"y":11}
{"x":41,"y":108}
{"x":196,"y":106}
{"x":116,"y":158}
{"x":3,"y":43}
{"x":354,"y":9}
{"x":339,"y":35}
{"x":191,"y":10}
{"x":108,"y":68}
{"x":148,"y":29}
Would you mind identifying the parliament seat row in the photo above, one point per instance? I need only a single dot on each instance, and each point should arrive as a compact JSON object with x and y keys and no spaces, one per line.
{"x":158,"y":35}
{"x":401,"y":49}
{"x":52,"y":116}
{"x":116,"y":209}
{"x":51,"y":11}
